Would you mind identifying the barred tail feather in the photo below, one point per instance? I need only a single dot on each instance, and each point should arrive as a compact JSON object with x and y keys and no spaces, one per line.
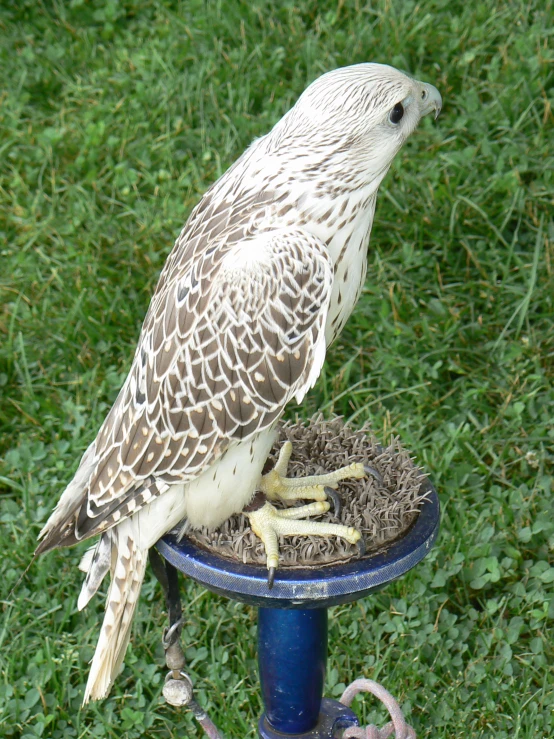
{"x":127,"y":576}
{"x":96,"y":562}
{"x":86,"y":560}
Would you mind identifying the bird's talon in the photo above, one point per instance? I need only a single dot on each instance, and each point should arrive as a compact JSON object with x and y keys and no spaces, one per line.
{"x":335,"y":499}
{"x":360,"y":546}
{"x":372,"y":472}
{"x":271,"y":577}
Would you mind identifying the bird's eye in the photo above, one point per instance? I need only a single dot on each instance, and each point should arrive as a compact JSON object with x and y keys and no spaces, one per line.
{"x":397,"y":113}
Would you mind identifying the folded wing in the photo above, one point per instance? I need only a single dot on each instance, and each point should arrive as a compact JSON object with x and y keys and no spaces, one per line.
{"x":232,"y":335}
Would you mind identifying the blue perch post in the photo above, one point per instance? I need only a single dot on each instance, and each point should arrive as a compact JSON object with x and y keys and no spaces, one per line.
{"x":292,"y":654}
{"x":292,"y":620}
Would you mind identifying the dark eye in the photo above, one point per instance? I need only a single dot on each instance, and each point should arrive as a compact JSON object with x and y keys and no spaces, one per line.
{"x":397,"y":113}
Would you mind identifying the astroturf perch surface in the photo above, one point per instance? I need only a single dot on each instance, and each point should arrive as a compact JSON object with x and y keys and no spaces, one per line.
{"x":114,"y":119}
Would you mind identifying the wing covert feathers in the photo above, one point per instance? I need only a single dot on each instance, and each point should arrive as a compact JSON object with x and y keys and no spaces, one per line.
{"x":233,"y":333}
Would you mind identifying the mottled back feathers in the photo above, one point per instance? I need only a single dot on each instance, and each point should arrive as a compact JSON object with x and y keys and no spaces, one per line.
{"x":230,"y":337}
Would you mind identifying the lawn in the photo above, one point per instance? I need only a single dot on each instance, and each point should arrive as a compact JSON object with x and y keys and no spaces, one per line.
{"x":115,"y":117}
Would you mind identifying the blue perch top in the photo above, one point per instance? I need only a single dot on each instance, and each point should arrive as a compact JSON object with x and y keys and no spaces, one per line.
{"x":302,"y":587}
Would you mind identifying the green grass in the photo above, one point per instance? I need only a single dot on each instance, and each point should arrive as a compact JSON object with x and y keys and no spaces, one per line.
{"x":115,"y":117}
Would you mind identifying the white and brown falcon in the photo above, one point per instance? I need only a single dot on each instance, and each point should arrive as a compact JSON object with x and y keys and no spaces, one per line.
{"x":260,"y":281}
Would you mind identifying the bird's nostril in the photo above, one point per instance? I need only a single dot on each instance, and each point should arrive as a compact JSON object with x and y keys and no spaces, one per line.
{"x":423,"y":94}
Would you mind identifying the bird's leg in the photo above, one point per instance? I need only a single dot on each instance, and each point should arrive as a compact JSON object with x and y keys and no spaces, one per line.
{"x":277,"y":486}
{"x":269,"y":523}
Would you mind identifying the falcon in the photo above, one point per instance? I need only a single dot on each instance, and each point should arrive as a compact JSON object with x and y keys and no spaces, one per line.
{"x":260,"y":281}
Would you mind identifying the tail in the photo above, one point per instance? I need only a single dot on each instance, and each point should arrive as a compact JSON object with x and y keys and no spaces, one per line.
{"x":118,"y":551}
{"x":96,"y":562}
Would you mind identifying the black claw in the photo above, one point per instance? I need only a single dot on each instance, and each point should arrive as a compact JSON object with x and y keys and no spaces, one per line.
{"x":360,"y":546}
{"x":374,"y":473}
{"x":271,"y":577}
{"x":334,"y":498}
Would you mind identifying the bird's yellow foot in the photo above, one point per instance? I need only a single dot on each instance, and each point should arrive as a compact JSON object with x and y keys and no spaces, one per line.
{"x":277,"y":486}
{"x":268,"y":523}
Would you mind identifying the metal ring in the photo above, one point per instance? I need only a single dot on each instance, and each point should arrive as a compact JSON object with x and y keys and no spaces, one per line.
{"x":168,"y":637}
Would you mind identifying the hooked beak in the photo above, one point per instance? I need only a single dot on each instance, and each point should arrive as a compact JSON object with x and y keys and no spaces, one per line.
{"x":431,"y":100}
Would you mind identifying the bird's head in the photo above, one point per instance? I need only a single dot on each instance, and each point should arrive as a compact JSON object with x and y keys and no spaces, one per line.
{"x":358,"y":116}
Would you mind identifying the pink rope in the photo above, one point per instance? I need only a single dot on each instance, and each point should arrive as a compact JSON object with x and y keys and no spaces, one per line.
{"x":398,"y":725}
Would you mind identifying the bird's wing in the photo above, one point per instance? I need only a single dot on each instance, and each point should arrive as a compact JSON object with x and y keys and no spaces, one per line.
{"x":229,"y":339}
